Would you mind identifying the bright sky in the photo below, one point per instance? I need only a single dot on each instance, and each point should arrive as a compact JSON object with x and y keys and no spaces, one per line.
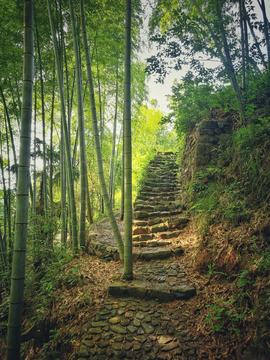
{"x":159,"y":91}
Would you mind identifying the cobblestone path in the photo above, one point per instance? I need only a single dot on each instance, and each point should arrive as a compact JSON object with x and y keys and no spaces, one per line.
{"x":146,"y":318}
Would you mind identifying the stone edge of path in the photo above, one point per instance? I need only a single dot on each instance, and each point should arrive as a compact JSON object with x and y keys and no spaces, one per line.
{"x":109,"y":252}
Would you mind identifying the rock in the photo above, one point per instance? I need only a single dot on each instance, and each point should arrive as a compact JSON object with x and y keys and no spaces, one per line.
{"x":142,"y":237}
{"x":183,"y":291}
{"x":118,"y":329}
{"x":158,"y":228}
{"x":92,"y":236}
{"x":136,"y":346}
{"x":148,"y":328}
{"x":83,"y":352}
{"x":164,"y":339}
{"x":137,"y":289}
{"x":156,"y":254}
{"x":178,"y":250}
{"x":136,"y":254}
{"x":154,"y":221}
{"x":170,"y":347}
{"x":115,"y":320}
{"x":140,"y":215}
{"x":117,"y":346}
{"x":118,"y":288}
{"x":129,"y":314}
{"x":152,"y":243}
{"x":140,"y":223}
{"x":164,"y":242}
{"x":208,"y":124}
{"x":141,"y":338}
{"x":109,"y":352}
{"x":103,"y":344}
{"x":131,"y":329}
{"x":172,"y":273}
{"x":99,"y":323}
{"x":86,"y":327}
{"x":160,"y":291}
{"x":140,"y":230}
{"x":170,"y":234}
{"x":125,"y":322}
{"x":140,"y":316}
{"x":107,"y":336}
{"x":136,"y":322}
{"x":208,"y":139}
{"x":94,"y":331}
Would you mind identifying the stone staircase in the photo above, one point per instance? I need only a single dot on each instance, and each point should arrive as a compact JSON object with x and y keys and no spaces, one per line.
{"x":135,"y":321}
{"x":158,"y":221}
{"x":158,"y":218}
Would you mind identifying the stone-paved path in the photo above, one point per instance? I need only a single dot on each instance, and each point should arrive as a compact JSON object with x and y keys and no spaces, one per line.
{"x":128,"y":328}
{"x":136,"y":321}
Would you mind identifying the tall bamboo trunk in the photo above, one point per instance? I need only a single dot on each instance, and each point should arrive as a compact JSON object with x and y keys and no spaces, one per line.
{"x":66,"y":137}
{"x":111,"y":176}
{"x":43,"y":126}
{"x":128,"y":272}
{"x":104,"y":192}
{"x":19,"y":252}
{"x":10,"y":132}
{"x":9,"y":195}
{"x":51,"y":142}
{"x":242,"y":45}
{"x":81,"y":129}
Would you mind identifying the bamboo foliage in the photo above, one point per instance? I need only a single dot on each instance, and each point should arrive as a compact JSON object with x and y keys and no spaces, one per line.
{"x":19,"y":252}
{"x":103,"y":188}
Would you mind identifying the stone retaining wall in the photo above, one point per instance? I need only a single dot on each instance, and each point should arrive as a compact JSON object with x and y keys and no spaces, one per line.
{"x":202,"y":146}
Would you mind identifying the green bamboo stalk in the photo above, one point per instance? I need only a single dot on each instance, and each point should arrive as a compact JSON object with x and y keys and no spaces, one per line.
{"x":10,"y":131}
{"x":19,"y":252}
{"x":104,"y":192}
{"x":128,"y":272}
{"x":66,"y":137}
{"x":81,"y":129}
{"x":43,"y":125}
{"x":111,"y":176}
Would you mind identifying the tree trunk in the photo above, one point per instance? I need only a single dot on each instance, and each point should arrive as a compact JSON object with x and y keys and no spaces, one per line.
{"x":10,"y":132}
{"x":81,"y":129}
{"x":19,"y":252}
{"x":242,"y":46}
{"x":51,"y":142}
{"x":104,"y":192}
{"x":43,"y":127}
{"x":128,"y":272}
{"x":111,"y":177}
{"x":66,"y":137}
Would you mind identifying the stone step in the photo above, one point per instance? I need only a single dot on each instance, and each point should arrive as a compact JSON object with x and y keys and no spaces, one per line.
{"x":155,"y":193}
{"x":156,"y":177}
{"x":170,"y":234}
{"x":152,"y":243}
{"x":154,"y":282}
{"x":142,"y":237}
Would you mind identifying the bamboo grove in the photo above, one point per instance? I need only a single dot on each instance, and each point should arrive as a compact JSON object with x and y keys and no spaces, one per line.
{"x":73,"y":94}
